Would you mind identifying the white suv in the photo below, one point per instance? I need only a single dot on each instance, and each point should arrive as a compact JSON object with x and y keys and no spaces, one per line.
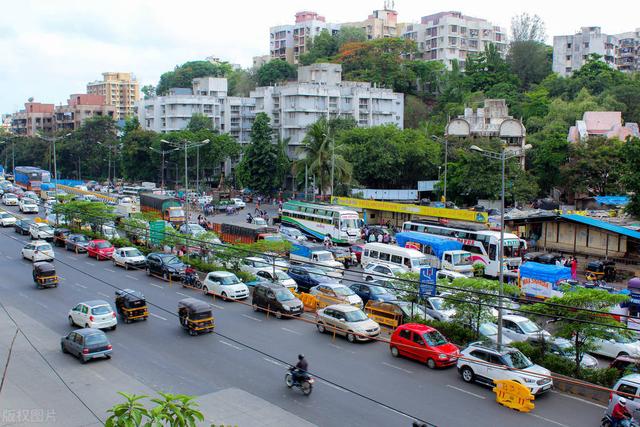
{"x":41,"y":231}
{"x":225,"y":285}
{"x":27,"y":205}
{"x":484,"y":363}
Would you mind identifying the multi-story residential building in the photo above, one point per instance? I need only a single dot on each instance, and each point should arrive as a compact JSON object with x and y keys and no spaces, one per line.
{"x":288,"y":42}
{"x":449,"y":36}
{"x":79,"y":108}
{"x":572,"y":51}
{"x":121,"y":90}
{"x":238,"y":116}
{"x":36,"y":117}
{"x":628,"y":57}
{"x":380,"y":24}
{"x":321,"y":92}
{"x":5,"y":122}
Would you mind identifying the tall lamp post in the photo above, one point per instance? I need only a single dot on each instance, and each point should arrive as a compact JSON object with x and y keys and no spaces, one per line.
{"x":53,"y":140}
{"x":13,"y":152}
{"x":446,"y":160}
{"x":503,"y":157}
{"x":163,"y":152}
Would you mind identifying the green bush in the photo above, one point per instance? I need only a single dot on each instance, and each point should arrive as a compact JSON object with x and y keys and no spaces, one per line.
{"x":605,"y":377}
{"x":455,"y":332}
{"x":119,"y":242}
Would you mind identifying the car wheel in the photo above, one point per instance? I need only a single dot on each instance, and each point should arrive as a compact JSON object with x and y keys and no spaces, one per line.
{"x":126,"y":266}
{"x":205,"y":290}
{"x":395,"y":352}
{"x":71,"y":322}
{"x":467,"y":374}
{"x":255,"y":307}
{"x":278,"y":314}
{"x":86,"y":325}
{"x":321,"y":328}
{"x":224,"y":296}
{"x":113,"y":328}
{"x":431,"y":364}
{"x":368,"y":279}
{"x":351,"y":337}
{"x":107,"y":356}
{"x":83,"y":360}
{"x":164,"y":276}
{"x":63,"y":348}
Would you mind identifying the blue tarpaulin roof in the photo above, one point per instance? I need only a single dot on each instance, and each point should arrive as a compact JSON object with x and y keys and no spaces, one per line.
{"x":613,"y":200}
{"x":438,"y":244}
{"x":544,"y":272}
{"x":602,"y":224}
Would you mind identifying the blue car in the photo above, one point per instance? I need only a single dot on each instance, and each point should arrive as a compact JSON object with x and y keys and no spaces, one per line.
{"x":308,"y":277}
{"x":86,"y":344}
{"x":370,"y":291}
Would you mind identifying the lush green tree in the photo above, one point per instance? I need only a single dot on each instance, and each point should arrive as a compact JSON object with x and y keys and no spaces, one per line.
{"x":183,"y":75}
{"x":138,"y":162}
{"x":525,"y":27}
{"x":200,"y":122}
{"x":577,"y":325}
{"x":177,"y":410}
{"x":530,"y":61}
{"x":323,"y":46}
{"x":258,"y":167}
{"x":628,"y":93}
{"x":350,"y":35}
{"x":595,"y":76}
{"x":631,"y":177}
{"x":149,"y":91}
{"x":550,"y":152}
{"x":241,"y":82}
{"x":594,"y":166}
{"x":415,"y":111}
{"x":486,"y":69}
{"x":275,"y":71}
{"x":84,"y":212}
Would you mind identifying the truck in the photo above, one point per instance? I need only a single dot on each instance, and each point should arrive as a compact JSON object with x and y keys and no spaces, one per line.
{"x":542,"y":281}
{"x":443,"y":254}
{"x":244,"y":233}
{"x":317,"y":255}
{"x":167,"y":207}
{"x":125,"y":207}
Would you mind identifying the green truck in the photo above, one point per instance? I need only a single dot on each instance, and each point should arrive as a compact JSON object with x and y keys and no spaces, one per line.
{"x":166,"y":206}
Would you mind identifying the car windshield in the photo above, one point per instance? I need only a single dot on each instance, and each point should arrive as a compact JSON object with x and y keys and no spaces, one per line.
{"x":356,"y":316}
{"x":348,"y":223}
{"x":273,"y":238}
{"x":622,"y":339}
{"x":101,"y":309}
{"x":284,"y":295}
{"x":171,"y":260}
{"x":343,"y":291}
{"x":437,"y":303}
{"x":462,"y":259}
{"x":377,"y":290}
{"x":81,"y":239}
{"x":45,"y":247}
{"x":132,"y":253}
{"x":281,"y":275}
{"x":517,"y":360}
{"x":261,"y":264}
{"x":103,"y":245}
{"x":325,"y":256}
{"x":94,"y":339}
{"x":293,"y":232}
{"x":229,"y":280}
{"x":529,"y":327}
{"x":45,"y":227}
{"x":488,"y":329}
{"x":434,"y":338}
{"x":420,"y":262}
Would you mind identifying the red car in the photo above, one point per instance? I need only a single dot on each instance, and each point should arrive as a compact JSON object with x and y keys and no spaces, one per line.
{"x":100,"y":249}
{"x":357,"y":249}
{"x":425,"y":344}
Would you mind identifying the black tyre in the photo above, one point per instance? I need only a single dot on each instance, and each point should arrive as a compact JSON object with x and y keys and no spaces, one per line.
{"x":71,"y":322}
{"x":321,"y":328}
{"x":467,"y":374}
{"x":351,"y":337}
{"x":431,"y":364}
{"x":395,"y":352}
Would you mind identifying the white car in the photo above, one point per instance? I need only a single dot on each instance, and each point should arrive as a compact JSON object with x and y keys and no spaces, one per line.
{"x":225,"y":285}
{"x":129,"y":258}
{"x":6,"y":219}
{"x":9,"y":199}
{"x":347,"y":320}
{"x":520,"y":328}
{"x":31,"y":195}
{"x":449,"y":275}
{"x":41,"y":231}
{"x":375,"y":270}
{"x":337,"y":292}
{"x":564,"y":348}
{"x":253,"y":264}
{"x":435,"y":307}
{"x":239,"y":203}
{"x":38,"y":250}
{"x":192,"y":229}
{"x":616,"y":345}
{"x":27,"y":205}
{"x":278,"y":276}
{"x":96,"y":314}
{"x":293,"y":234}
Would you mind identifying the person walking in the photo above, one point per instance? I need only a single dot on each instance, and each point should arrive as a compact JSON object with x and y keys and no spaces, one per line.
{"x":574,"y":268}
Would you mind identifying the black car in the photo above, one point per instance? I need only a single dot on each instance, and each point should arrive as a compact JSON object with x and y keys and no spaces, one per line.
{"x":308,"y":277}
{"x":60,"y":236}
{"x":166,"y":265}
{"x":276,"y":298}
{"x":22,"y":226}
{"x":77,"y":243}
{"x":86,"y":344}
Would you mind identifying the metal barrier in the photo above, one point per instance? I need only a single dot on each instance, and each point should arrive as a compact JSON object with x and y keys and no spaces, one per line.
{"x":310,"y":302}
{"x":384,"y":314}
{"x":79,"y":191}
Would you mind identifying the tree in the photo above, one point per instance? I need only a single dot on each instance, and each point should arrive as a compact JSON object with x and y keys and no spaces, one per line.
{"x":183,"y":75}
{"x":241,"y":82}
{"x":593,"y":166}
{"x":177,"y":410}
{"x":275,"y":71}
{"x":415,"y":111}
{"x":631,"y":177}
{"x":530,"y":60}
{"x":595,"y":75}
{"x":257,"y":169}
{"x":550,"y":151}
{"x":138,"y":163}
{"x":579,"y":326}
{"x":149,"y":91}
{"x":323,"y":46}
{"x":525,"y":27}
{"x":199,"y":122}
{"x":84,"y":212}
{"x":350,"y":35}
{"x":487,"y":69}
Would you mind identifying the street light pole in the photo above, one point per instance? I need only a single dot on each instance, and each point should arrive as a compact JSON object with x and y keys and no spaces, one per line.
{"x":163,"y":152}
{"x":446,"y":160}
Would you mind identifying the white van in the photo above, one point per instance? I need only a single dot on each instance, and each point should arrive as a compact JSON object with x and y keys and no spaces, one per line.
{"x":409,"y":259}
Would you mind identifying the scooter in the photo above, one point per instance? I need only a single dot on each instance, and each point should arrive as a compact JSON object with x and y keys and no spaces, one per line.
{"x":304,"y":383}
{"x":607,"y":421}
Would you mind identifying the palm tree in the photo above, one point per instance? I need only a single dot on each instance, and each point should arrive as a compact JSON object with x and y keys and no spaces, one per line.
{"x":317,"y":152}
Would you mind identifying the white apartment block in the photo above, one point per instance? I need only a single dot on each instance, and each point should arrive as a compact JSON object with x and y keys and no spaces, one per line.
{"x":449,"y":36}
{"x":572,"y":51}
{"x":320,"y":92}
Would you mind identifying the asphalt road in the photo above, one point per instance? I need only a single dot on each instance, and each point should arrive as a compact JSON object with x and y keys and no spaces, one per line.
{"x":355,"y":380}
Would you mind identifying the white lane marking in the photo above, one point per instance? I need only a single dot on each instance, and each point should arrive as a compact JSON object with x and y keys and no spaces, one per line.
{"x":275,"y":362}
{"x":579,"y":399}
{"x":157,"y":286}
{"x":103,"y":294}
{"x":88,"y":263}
{"x":10,"y":257}
{"x":397,"y":367}
{"x":218,"y":306}
{"x":252,"y":318}
{"x":335,"y":346}
{"x":110,"y":270}
{"x":290,"y":331}
{"x":41,"y":304}
{"x":547,"y":420}
{"x":80,"y":286}
{"x":180,"y":293}
{"x":333,"y":386}
{"x":131,"y":277}
{"x":22,"y":295}
{"x":159,"y":317}
{"x":230,"y":345}
{"x":467,"y":392}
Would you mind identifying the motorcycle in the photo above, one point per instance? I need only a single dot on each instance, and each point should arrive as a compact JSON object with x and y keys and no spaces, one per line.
{"x":192,"y":280}
{"x":607,"y":421}
{"x":304,"y":383}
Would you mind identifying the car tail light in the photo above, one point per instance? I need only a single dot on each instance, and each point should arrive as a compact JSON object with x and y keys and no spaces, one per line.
{"x":109,"y":347}
{"x":85,"y":351}
{"x":91,"y":318}
{"x":114,"y":314}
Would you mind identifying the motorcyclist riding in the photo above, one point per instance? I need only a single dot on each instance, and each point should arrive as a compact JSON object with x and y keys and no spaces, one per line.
{"x":300,"y":369}
{"x":190,"y":275}
{"x":620,"y":416}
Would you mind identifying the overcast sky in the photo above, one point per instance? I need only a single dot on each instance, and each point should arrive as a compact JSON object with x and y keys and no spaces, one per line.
{"x":50,"y":49}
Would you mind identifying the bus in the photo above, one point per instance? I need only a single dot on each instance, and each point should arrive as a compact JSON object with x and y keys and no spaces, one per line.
{"x":480,"y":241}
{"x":320,"y":220}
{"x":31,"y":178}
{"x":406,"y":258}
{"x":134,"y":190}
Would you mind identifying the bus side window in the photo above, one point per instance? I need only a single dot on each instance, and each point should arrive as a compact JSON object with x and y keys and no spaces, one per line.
{"x":373,"y":254}
{"x":384,"y":256}
{"x":407,"y":262}
{"x":396,"y":259}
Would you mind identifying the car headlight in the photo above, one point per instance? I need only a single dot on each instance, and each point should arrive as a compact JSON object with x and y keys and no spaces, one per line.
{"x":528,"y":380}
{"x":287,"y":308}
{"x":442,"y":356}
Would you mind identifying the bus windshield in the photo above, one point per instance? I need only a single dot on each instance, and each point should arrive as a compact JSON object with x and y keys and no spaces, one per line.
{"x":420,"y":262}
{"x":348,"y":223}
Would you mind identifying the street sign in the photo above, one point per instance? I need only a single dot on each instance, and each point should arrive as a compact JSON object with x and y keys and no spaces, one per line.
{"x":427,"y":281}
{"x":156,"y":232}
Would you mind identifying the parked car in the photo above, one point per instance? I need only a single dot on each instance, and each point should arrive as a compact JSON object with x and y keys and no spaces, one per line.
{"x":31,"y":195}
{"x":77,"y":243}
{"x":520,"y":328}
{"x":337,"y":292}
{"x":60,"y":236}
{"x":279,"y":261}
{"x":192,"y":229}
{"x":38,"y":250}
{"x":276,"y":298}
{"x":238,"y":203}
{"x":93,"y":314}
{"x":348,"y":321}
{"x":292,"y":234}
{"x":616,"y":345}
{"x":22,"y":226}
{"x":435,"y":307}
{"x":129,"y":258}
{"x":485,"y":363}
{"x":376,"y":270}
{"x":308,"y":277}
{"x":86,"y":344}
{"x":424,"y":344}
{"x":6,"y":219}
{"x":253,"y":264}
{"x":449,"y":276}
{"x":368,"y":291}
{"x":27,"y":205}
{"x":41,"y":231}
{"x":100,"y":249}
{"x":225,"y":285}
{"x":9,"y":199}
{"x":564,"y":348}
{"x":488,"y":331}
{"x":277,"y":276}
{"x":630,"y":386}
{"x":166,"y":265}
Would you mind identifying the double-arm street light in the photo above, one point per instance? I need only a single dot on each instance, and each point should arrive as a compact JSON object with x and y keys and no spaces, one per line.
{"x":53,"y":140}
{"x":163,"y":152}
{"x":446,"y":161}
{"x":503,"y":156}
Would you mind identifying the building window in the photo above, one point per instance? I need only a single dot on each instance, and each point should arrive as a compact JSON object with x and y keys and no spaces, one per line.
{"x":586,"y":45}
{"x":453,"y":28}
{"x":568,"y":57}
{"x":567,"y":70}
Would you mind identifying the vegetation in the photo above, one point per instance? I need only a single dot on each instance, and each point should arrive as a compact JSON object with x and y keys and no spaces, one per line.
{"x":275,"y":71}
{"x":176,"y":410}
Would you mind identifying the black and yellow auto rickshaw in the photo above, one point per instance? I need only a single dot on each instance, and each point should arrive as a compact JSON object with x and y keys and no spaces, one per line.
{"x":195,"y":316}
{"x":44,"y":275}
{"x":131,"y":305}
{"x":601,"y":270}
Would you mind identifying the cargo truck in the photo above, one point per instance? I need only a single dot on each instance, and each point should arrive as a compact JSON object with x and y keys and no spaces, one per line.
{"x":244,"y":233}
{"x":167,"y":207}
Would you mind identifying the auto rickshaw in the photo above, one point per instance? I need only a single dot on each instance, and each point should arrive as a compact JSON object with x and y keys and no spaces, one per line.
{"x":195,"y":316}
{"x":131,"y":305}
{"x":601,"y":270}
{"x":44,"y":275}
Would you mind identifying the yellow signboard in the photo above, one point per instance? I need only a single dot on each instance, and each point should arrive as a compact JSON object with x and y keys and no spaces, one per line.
{"x":456,"y":214}
{"x":513,"y":395}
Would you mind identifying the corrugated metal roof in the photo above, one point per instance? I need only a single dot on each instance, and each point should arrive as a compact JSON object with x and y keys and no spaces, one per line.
{"x":602,"y":224}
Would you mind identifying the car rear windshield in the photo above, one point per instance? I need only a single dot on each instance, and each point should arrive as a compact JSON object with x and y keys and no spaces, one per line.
{"x":94,"y":339}
{"x":434,"y":338}
{"x":45,"y":247}
{"x":101,"y":309}
{"x":81,"y":238}
{"x":103,"y":245}
{"x":356,"y":316}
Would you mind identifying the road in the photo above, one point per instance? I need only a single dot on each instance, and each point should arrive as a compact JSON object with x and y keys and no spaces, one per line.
{"x":359,"y":384}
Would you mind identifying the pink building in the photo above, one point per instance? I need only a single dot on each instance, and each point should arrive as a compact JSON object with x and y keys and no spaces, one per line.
{"x":81,"y":107}
{"x":36,"y":117}
{"x":606,"y":124}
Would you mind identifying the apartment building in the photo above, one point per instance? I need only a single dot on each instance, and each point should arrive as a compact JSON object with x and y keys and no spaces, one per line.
{"x":288,"y":42}
{"x":121,"y":90}
{"x":79,"y":108}
{"x":35,"y":118}
{"x":449,"y":36}
{"x":380,"y":24}
{"x":628,"y":55}
{"x":321,"y":92}
{"x":572,"y":51}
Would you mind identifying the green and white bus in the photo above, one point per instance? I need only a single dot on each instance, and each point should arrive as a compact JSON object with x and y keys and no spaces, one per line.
{"x":318,"y":220}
